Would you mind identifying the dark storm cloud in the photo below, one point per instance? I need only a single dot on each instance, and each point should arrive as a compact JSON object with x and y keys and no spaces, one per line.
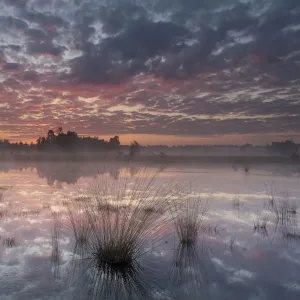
{"x":45,"y":48}
{"x":36,"y":34}
{"x":115,"y":20}
{"x":10,"y":22}
{"x":136,"y":37}
{"x":30,"y":76}
{"x":18,"y":3}
{"x":127,"y":53}
{"x":45,"y":20}
{"x":12,"y":67}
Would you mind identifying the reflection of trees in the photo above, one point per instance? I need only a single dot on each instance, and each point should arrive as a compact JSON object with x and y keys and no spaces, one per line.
{"x":65,"y":172}
{"x":70,"y":172}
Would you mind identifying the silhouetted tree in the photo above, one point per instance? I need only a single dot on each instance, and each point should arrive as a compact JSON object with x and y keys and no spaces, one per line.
{"x":51,"y":136}
{"x":134,"y":149}
{"x":69,"y":141}
{"x":114,"y":142}
{"x":59,"y":130}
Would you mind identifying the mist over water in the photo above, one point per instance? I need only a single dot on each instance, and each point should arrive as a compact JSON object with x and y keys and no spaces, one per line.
{"x":245,"y":251}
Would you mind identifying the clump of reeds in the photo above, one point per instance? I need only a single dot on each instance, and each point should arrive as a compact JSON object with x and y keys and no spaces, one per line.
{"x":117,"y":223}
{"x":237,"y":203}
{"x":211,"y":230}
{"x":9,"y":242}
{"x":4,"y":213}
{"x":283,"y":210}
{"x":246,"y":169}
{"x":188,"y":216}
{"x":260,"y":226}
{"x":230,"y":245}
{"x":82,"y":198}
{"x":115,"y":228}
{"x":27,"y":212}
{"x":291,"y":236}
{"x":78,"y":222}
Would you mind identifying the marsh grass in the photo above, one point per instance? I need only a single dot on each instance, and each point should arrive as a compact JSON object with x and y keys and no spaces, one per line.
{"x":115,"y":229}
{"x":188,"y":216}
{"x":9,"y":242}
{"x":65,"y":203}
{"x":261,"y":223}
{"x":260,"y":227}
{"x":283,"y":210}
{"x":230,"y":244}
{"x":46,"y":206}
{"x":4,"y":213}
{"x":3,"y":188}
{"x":116,"y":225}
{"x":27,"y":213}
{"x":211,"y":230}
{"x":78,"y":222}
{"x":153,"y":210}
{"x":237,"y":203}
{"x":291,"y":236}
{"x":82,"y":198}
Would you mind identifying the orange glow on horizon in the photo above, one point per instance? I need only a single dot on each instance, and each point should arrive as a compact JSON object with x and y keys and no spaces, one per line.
{"x":173,"y":140}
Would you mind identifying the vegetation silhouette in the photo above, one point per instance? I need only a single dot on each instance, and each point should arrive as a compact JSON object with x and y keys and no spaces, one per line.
{"x":112,"y":232}
{"x":134,"y":149}
{"x":69,"y":142}
{"x":188,"y":213}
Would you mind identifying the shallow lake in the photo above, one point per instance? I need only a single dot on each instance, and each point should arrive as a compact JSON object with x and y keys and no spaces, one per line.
{"x":248,"y":251}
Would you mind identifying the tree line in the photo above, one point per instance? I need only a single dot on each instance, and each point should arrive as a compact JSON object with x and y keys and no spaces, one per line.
{"x":60,"y":140}
{"x":69,"y":141}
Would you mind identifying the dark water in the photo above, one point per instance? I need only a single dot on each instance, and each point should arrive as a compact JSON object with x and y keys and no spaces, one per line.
{"x":236,"y":259}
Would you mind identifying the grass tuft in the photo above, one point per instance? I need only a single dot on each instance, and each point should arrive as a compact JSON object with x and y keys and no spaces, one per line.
{"x":188,"y":218}
{"x":116,"y":224}
{"x":120,"y":223}
{"x":9,"y":242}
{"x":283,"y":210}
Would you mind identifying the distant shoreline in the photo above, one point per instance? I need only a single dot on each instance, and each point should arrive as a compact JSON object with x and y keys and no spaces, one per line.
{"x":168,"y":159}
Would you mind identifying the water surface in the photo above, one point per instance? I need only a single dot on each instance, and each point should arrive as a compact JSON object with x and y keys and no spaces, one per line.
{"x":237,"y":260}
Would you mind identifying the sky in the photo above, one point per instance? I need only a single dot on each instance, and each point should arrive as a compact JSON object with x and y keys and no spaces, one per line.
{"x":158,"y":71}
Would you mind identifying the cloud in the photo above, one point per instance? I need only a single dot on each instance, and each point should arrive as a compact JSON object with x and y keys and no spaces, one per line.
{"x":186,"y":68}
{"x":12,"y":67}
{"x":45,"y":49}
